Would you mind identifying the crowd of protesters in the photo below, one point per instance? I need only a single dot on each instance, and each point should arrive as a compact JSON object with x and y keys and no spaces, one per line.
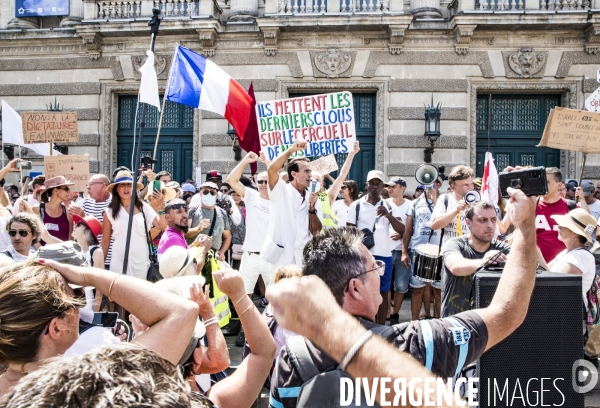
{"x":303,"y":245}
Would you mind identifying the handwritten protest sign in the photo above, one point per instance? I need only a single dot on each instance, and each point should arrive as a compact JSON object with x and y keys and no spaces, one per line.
{"x":49,"y":127}
{"x":74,"y":168}
{"x":572,"y":129}
{"x":326,"y":122}
{"x":324,"y":165}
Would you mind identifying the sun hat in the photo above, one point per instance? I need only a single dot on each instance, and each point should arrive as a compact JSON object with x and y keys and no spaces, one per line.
{"x":123,"y":176}
{"x":90,"y":221}
{"x":173,"y":184}
{"x":579,"y":221}
{"x":167,"y":192}
{"x":176,"y":261}
{"x":57,"y":182}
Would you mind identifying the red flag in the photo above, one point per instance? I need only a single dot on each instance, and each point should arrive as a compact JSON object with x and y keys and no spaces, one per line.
{"x":249,"y":141}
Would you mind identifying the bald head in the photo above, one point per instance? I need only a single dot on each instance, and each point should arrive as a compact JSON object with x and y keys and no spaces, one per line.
{"x":97,"y":187}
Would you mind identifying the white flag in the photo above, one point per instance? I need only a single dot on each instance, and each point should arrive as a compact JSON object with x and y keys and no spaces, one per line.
{"x":489,"y":187}
{"x":12,"y":132}
{"x":149,"y":83}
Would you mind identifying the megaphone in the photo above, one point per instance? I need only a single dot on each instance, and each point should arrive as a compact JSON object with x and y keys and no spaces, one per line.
{"x":426,"y":174}
{"x":472,"y":196}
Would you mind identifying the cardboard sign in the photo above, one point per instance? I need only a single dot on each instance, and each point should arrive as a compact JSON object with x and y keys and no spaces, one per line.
{"x":49,"y":127}
{"x":572,"y":129}
{"x":326,"y":122}
{"x":75,"y":169}
{"x":324,"y":165}
{"x":592,"y":103}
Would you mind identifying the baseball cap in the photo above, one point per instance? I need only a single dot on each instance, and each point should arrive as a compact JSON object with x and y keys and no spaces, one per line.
{"x":214,"y":174}
{"x":420,"y":188}
{"x":188,"y":188}
{"x":375,"y":174}
{"x":396,"y":181}
{"x":209,"y":184}
{"x":571,"y":186}
{"x":587,"y":188}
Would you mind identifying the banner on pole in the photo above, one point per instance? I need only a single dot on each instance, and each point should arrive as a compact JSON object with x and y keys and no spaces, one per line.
{"x":49,"y":127}
{"x":572,"y":129}
{"x":325,"y":121}
{"x":324,"y":165}
{"x":73,"y":168}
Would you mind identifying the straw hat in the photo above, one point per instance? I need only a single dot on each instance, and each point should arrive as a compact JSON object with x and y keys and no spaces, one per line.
{"x":123,"y":176}
{"x":176,"y":261}
{"x":167,"y":192}
{"x":578,"y":221}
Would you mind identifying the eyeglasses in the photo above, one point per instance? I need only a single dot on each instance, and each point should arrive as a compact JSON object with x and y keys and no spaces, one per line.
{"x":211,"y":192}
{"x":262,"y":182}
{"x":178,"y":206}
{"x":344,"y":187}
{"x":379,"y":267}
{"x":64,"y":188}
{"x":224,"y":190}
{"x":13,"y":233}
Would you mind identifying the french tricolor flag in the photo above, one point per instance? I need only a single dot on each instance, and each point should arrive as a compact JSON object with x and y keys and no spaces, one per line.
{"x":198,"y":82}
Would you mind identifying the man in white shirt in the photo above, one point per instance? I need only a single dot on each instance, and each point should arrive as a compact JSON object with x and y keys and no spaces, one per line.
{"x":449,"y":211}
{"x":32,"y":199}
{"x":295,"y":213}
{"x":372,"y":213}
{"x":396,"y":187}
{"x":592,"y":202}
{"x":258,"y":208}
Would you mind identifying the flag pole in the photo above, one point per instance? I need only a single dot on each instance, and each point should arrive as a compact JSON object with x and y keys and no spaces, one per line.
{"x":154,"y":24}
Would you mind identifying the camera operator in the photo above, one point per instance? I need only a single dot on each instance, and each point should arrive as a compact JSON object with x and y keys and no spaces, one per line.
{"x":209,"y":219}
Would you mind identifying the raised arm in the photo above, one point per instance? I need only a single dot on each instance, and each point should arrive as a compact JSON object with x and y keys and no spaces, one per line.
{"x":276,"y":165}
{"x":337,"y":184}
{"x":509,"y":306}
{"x":170,"y":318}
{"x":10,"y":167}
{"x":441,"y":217}
{"x":375,"y":359}
{"x":236,"y":174}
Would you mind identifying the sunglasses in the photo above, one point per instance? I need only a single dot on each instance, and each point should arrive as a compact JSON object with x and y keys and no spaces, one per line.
{"x":64,"y":188}
{"x":178,"y":206}
{"x":13,"y":233}
{"x":211,"y":192}
{"x":261,"y":182}
{"x":344,"y":187}
{"x":224,"y":190}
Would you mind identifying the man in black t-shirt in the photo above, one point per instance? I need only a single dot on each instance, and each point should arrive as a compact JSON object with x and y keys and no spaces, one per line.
{"x":464,"y":255}
{"x":346,"y":268}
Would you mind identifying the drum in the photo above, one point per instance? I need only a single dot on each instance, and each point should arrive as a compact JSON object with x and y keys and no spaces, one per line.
{"x":427,"y":264}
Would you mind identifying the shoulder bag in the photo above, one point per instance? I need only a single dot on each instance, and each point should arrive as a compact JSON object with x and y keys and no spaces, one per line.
{"x":153,"y":275}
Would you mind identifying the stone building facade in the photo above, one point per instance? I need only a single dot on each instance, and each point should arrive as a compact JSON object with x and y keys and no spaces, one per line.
{"x":529,"y":55}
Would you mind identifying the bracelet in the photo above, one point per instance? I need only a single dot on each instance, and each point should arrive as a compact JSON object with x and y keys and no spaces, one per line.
{"x":354,"y":349}
{"x":242,"y":298}
{"x":111,"y":286}
{"x":161,"y":213}
{"x":248,"y":308}
{"x":208,"y":322}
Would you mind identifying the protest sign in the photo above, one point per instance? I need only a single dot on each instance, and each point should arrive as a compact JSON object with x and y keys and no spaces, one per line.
{"x":324,"y":165}
{"x":73,"y":168}
{"x":326,"y":122}
{"x":572,"y":129}
{"x":49,"y":127}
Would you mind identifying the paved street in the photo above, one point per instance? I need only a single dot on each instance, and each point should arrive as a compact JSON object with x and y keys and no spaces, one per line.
{"x":592,"y":399}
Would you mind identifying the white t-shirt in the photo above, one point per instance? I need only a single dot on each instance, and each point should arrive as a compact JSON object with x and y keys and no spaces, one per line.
{"x":450,"y":229}
{"x":398,"y":212}
{"x":421,"y":213}
{"x":32,"y":202}
{"x":257,"y":220}
{"x":288,"y":224}
{"x":595,"y":209}
{"x":340,"y":209}
{"x":5,"y":241}
{"x":366,"y":219}
{"x":581,"y":259}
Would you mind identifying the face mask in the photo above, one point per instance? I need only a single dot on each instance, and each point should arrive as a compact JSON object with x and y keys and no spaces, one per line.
{"x":209,"y":200}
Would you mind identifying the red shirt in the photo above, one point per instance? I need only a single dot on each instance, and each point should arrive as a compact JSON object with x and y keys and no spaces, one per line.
{"x":547,"y":228}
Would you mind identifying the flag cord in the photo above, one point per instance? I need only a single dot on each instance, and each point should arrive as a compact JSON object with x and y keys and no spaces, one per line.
{"x":162,"y":111}
{"x":230,"y":154}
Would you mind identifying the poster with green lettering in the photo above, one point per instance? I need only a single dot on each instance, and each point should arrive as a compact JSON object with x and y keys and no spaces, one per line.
{"x":325,"y":121}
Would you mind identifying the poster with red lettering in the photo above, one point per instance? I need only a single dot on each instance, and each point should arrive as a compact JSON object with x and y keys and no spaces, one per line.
{"x":49,"y":127}
{"x":326,"y":122}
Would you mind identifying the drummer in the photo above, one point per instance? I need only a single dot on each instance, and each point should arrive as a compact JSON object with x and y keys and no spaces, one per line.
{"x":464,"y":255}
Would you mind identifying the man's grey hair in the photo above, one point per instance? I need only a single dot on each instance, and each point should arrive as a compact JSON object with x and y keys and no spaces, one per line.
{"x":334,"y":256}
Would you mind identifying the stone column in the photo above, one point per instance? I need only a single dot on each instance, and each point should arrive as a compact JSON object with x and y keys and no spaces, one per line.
{"x":243,"y":10}
{"x":425,"y":8}
{"x":75,"y":16}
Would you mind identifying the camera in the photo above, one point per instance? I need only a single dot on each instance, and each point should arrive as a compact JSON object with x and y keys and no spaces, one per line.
{"x":24,"y":165}
{"x":531,"y":181}
{"x":223,"y":202}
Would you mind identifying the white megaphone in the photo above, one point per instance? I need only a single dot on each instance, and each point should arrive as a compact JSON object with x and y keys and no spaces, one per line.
{"x":472,"y":196}
{"x":426,"y":174}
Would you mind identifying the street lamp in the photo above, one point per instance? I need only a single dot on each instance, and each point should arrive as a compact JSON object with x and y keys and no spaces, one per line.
{"x":432,"y":127}
{"x":237,"y":150}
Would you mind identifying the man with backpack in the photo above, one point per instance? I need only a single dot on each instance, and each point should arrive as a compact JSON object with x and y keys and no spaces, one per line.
{"x":373,"y":216}
{"x":308,"y":370}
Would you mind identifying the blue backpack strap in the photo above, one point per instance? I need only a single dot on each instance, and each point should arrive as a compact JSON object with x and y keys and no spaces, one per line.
{"x":461,"y":338}
{"x":428,"y":340}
